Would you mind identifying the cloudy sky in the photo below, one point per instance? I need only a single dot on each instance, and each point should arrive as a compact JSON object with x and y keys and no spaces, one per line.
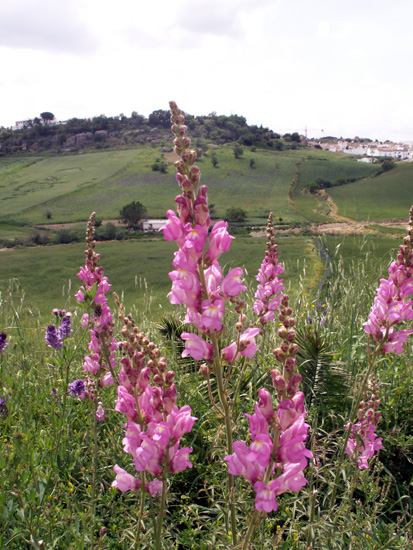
{"x":337,"y":67}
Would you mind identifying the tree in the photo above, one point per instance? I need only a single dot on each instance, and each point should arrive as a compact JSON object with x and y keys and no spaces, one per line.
{"x":238,"y":151}
{"x":132,"y":213}
{"x":160,"y":119}
{"x":47,"y":117}
{"x":214,"y":159}
{"x":235,"y":214}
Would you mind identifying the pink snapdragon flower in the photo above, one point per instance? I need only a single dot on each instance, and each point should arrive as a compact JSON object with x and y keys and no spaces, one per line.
{"x":124,"y":481}
{"x":268,"y":295}
{"x":219,"y":241}
{"x":147,"y":396}
{"x":369,"y":444}
{"x":232,"y":283}
{"x":246,"y":347}
{"x":196,"y":347}
{"x":92,"y":294}
{"x":291,"y":455}
{"x":363,"y":441}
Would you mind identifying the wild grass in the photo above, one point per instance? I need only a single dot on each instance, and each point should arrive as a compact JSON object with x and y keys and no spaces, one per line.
{"x":46,"y":446}
{"x":139,"y":269}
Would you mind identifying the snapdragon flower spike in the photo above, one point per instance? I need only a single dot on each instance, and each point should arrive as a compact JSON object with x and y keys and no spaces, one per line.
{"x":269,"y":291}
{"x":197,"y":280}
{"x":92,"y":294}
{"x":278,"y":436}
{"x":155,"y":426}
{"x":363,"y":441}
{"x":390,"y":305}
{"x":256,"y":463}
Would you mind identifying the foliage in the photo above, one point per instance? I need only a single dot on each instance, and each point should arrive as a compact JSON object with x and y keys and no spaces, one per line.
{"x":235,"y":214}
{"x":47,"y":117}
{"x":238,"y":151}
{"x":46,"y":484}
{"x":132,"y":213}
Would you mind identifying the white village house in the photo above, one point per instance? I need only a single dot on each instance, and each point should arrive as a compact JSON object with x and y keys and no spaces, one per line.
{"x":152,"y":225}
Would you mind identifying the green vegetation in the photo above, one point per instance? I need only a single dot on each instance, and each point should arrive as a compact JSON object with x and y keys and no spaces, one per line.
{"x":383,"y":198}
{"x":47,"y":449}
{"x":48,"y":492}
{"x":133,"y":213}
{"x":139,"y":269}
{"x":330,"y":169}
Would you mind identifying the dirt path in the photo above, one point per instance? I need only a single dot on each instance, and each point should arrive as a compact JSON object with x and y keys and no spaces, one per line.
{"x":333,"y":209}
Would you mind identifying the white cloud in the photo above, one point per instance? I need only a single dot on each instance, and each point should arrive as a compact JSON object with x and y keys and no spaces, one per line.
{"x":44,"y":25}
{"x":343,"y":67}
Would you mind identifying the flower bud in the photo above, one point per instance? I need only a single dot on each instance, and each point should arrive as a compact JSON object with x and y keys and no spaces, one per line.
{"x":169,"y":376}
{"x":274,"y":373}
{"x":293,"y":349}
{"x":282,"y":333}
{"x":285,"y":347}
{"x":285,"y":300}
{"x":290,"y":364}
{"x":158,"y":380}
{"x":279,"y":354}
{"x":180,"y":166}
{"x":205,"y":371}
{"x":279,"y":383}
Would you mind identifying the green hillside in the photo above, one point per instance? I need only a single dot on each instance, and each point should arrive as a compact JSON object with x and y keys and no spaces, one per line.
{"x":331,"y":169}
{"x":70,"y":187}
{"x":388,"y":196}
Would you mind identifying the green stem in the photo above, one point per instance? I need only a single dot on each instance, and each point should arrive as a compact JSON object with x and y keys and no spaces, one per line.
{"x":163,"y":502}
{"x":94,"y":471}
{"x":228,"y":431}
{"x":251,"y":528}
{"x":226,"y":414}
{"x":141,"y":510}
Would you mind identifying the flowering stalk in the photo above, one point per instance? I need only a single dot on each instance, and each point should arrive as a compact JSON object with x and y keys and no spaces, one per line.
{"x":155,"y":424}
{"x":276,"y":458}
{"x":363,"y":441}
{"x":101,"y":361}
{"x":390,"y":309}
{"x":55,"y":338}
{"x":269,"y":291}
{"x":198,"y":282}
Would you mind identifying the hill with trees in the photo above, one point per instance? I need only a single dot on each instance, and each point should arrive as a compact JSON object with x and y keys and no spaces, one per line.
{"x":46,"y":134}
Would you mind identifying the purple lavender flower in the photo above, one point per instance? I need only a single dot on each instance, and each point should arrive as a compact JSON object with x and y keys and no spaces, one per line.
{"x":65,"y":329}
{"x":4,"y":411}
{"x":52,"y":337}
{"x":77,"y":388}
{"x":3,"y":343}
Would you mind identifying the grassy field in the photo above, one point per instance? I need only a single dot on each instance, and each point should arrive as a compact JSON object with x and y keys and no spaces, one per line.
{"x":139,"y":269}
{"x":330,"y":169}
{"x":58,"y":459}
{"x":386,"y":197}
{"x":69,"y":187}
